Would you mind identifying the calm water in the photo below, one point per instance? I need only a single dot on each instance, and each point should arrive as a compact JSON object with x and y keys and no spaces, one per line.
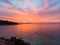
{"x":36,"y":34}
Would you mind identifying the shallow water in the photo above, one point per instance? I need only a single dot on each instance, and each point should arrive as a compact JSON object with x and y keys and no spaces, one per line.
{"x":36,"y":34}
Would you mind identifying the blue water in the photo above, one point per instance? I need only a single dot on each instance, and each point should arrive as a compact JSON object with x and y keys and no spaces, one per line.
{"x":35,"y":34}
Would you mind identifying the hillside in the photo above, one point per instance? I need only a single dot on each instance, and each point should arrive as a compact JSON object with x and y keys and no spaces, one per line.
{"x":2,"y":22}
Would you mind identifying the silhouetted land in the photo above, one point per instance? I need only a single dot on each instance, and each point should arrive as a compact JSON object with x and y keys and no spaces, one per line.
{"x":39,"y":23}
{"x":2,"y":22}
{"x":12,"y":41}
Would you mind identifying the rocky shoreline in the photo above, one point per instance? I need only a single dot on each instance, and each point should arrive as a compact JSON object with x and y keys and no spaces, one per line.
{"x":12,"y":41}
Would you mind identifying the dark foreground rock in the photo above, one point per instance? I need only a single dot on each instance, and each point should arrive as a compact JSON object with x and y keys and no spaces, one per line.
{"x":12,"y":41}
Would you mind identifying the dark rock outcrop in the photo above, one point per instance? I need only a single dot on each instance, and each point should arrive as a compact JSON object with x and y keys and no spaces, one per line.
{"x":13,"y":41}
{"x":7,"y":23}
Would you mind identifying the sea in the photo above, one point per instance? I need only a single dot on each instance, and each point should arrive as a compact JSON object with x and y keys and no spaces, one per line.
{"x":35,"y":34}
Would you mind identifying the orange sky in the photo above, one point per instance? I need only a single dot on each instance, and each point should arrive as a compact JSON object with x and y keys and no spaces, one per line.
{"x":30,"y":10}
{"x":22,"y":16}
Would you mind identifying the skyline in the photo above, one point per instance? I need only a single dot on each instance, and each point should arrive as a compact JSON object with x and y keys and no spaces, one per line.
{"x":30,"y":10}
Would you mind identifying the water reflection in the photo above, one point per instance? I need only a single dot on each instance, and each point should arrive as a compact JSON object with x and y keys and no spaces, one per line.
{"x":39,"y":33}
{"x":31,"y":28}
{"x":36,"y":34}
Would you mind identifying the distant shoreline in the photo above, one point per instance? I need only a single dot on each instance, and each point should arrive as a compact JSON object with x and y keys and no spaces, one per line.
{"x":2,"y":22}
{"x":41,"y":23}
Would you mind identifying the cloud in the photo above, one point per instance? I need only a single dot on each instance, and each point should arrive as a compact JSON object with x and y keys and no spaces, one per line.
{"x":27,"y":9}
{"x":32,"y":5}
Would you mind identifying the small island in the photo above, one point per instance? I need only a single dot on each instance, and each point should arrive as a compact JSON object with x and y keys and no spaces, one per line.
{"x":3,"y":22}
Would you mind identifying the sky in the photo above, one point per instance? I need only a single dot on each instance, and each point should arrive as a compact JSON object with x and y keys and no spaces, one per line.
{"x":30,"y":10}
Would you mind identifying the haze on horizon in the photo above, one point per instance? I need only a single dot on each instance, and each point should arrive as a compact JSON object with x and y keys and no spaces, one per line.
{"x":30,"y":10}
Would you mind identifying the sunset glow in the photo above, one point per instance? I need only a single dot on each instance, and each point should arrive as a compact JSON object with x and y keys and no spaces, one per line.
{"x":30,"y":10}
{"x":29,"y":22}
